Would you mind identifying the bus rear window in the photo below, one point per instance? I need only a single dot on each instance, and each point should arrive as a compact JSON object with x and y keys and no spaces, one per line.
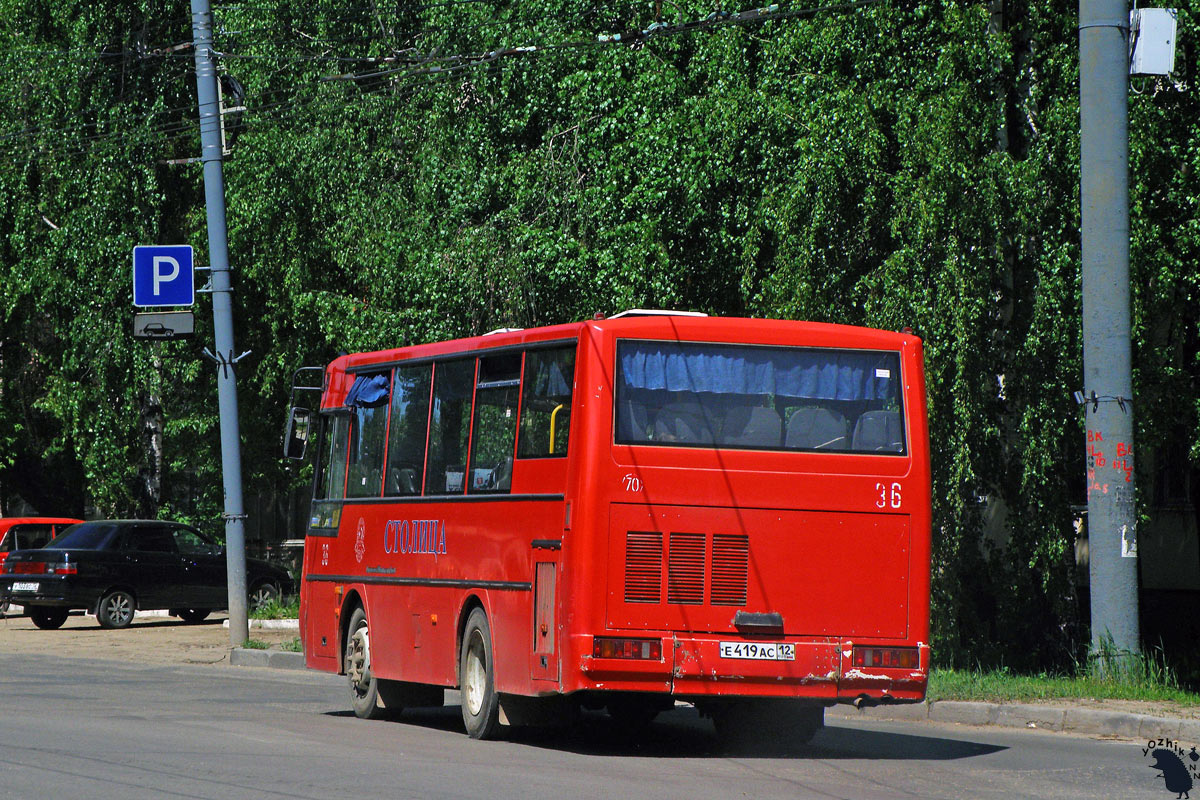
{"x":758,"y":398}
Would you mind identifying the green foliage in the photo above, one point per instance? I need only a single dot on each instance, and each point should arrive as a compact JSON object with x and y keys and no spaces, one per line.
{"x":1003,"y":685}
{"x":895,"y":165}
{"x":289,"y":608}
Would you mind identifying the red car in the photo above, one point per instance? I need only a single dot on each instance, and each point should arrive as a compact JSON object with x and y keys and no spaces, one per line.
{"x":28,"y":533}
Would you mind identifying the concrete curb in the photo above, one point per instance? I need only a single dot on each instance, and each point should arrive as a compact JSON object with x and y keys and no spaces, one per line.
{"x":1034,"y":716}
{"x":274,"y":659}
{"x":271,"y":624}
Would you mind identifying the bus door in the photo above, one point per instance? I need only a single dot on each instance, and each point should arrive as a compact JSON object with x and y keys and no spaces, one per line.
{"x":546,"y":398}
{"x":320,"y":543}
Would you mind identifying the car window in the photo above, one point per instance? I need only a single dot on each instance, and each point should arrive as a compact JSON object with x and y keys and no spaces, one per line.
{"x":85,"y":536}
{"x":151,"y":540}
{"x":192,"y":543}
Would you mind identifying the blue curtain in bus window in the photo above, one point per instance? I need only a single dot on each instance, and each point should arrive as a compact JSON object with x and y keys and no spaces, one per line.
{"x":550,"y":381}
{"x":787,"y":372}
{"x":368,"y":390}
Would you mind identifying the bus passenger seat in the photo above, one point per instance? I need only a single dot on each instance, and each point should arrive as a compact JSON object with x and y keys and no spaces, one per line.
{"x":402,"y":481}
{"x":501,"y":477}
{"x":879,"y":430}
{"x":816,"y":428}
{"x":683,"y":422}
{"x":633,"y":421}
{"x":753,"y":426}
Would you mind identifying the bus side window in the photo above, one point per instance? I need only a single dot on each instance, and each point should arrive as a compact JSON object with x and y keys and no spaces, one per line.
{"x":368,"y":429}
{"x":546,"y":403}
{"x":495,"y":431}
{"x":449,"y":426}
{"x":408,"y":430}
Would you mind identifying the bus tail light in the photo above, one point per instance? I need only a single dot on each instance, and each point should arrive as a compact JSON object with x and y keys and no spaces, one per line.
{"x":644,"y":649}
{"x":900,"y":657}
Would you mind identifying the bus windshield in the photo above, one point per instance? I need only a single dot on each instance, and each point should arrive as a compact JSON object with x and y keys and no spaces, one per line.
{"x":758,"y":397}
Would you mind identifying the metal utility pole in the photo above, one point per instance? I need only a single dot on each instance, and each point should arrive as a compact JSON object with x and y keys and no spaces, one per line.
{"x":222,"y":299}
{"x":1108,"y":385}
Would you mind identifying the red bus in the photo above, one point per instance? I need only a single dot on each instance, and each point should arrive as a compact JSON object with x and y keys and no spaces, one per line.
{"x":621,"y":513}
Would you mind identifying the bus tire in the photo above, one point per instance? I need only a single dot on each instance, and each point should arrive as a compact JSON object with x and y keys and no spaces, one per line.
{"x":477,"y":678}
{"x":758,"y":725}
{"x":364,"y":686}
{"x":633,"y":712}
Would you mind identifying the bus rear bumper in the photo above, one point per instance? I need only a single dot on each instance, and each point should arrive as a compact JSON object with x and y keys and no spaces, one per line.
{"x":698,"y":666}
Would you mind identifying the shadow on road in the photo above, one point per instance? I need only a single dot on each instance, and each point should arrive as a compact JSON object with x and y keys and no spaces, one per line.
{"x":682,"y":733}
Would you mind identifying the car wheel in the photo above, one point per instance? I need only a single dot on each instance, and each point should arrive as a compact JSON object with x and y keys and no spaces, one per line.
{"x":476,"y":670}
{"x":115,"y":609}
{"x":364,"y":687}
{"x":263,"y":595}
{"x":47,"y":618}
{"x":194,"y":614}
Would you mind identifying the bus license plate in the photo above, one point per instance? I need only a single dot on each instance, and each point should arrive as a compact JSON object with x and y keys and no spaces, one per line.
{"x":759,"y":651}
{"x":24,"y":586}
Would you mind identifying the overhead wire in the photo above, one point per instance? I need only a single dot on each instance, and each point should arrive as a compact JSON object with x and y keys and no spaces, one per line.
{"x":425,"y":68}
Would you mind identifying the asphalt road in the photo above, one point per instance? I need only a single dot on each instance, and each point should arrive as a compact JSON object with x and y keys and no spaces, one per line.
{"x":104,"y":729}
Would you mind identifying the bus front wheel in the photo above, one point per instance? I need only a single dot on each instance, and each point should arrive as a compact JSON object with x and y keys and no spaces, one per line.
{"x":477,"y":678}
{"x":364,"y":686}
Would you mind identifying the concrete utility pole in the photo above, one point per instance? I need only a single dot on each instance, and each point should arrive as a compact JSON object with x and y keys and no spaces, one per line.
{"x":222,"y":291}
{"x":1108,"y":385}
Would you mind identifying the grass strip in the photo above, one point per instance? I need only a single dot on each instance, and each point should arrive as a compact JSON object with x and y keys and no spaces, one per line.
{"x":1001,"y":685}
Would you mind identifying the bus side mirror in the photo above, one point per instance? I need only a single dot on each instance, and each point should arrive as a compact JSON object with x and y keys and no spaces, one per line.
{"x":295,"y":439}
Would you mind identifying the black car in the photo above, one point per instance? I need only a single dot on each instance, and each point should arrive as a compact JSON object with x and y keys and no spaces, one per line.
{"x":112,"y":567}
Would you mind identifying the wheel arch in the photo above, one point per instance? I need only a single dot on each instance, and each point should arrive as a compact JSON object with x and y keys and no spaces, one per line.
{"x":117,"y":587}
{"x":352,"y":600}
{"x":471,"y":602}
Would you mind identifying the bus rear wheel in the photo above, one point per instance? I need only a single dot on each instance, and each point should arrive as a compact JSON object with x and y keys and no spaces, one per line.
{"x":364,"y":686}
{"x":477,"y":678}
{"x":766,"y":724}
{"x":633,"y":712}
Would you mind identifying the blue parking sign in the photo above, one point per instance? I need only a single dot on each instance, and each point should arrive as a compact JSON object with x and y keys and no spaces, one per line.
{"x":163,"y":275}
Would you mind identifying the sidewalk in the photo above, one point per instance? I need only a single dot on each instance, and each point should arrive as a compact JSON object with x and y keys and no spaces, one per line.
{"x":1097,"y":720}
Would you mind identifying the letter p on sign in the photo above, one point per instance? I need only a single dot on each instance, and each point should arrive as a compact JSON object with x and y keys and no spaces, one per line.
{"x":163,"y":276}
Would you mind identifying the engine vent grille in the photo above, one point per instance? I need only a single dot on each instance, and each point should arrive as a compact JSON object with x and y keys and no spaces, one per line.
{"x":730,"y":564}
{"x":685,"y":569}
{"x":643,"y":567}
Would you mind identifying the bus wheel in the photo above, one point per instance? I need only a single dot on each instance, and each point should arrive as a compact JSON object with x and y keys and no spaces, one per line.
{"x":632,"y":712}
{"x":766,"y":725}
{"x":364,"y":687}
{"x":476,"y":669}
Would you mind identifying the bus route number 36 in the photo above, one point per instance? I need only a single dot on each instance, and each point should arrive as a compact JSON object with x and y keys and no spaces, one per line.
{"x":887,"y":496}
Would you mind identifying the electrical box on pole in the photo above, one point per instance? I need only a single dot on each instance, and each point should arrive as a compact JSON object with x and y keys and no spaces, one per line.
{"x":1151,"y":41}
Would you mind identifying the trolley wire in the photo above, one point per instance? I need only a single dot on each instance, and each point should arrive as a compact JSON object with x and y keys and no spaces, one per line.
{"x":274,"y":105}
